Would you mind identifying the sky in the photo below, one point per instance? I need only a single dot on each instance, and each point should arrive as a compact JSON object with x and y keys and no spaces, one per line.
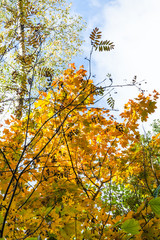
{"x":133,"y":26}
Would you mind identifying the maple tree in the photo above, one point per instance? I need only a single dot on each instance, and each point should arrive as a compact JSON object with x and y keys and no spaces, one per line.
{"x":57,"y":161}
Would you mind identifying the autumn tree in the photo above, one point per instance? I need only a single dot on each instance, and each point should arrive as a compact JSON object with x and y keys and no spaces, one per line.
{"x":56,"y":162}
{"x":71,"y":93}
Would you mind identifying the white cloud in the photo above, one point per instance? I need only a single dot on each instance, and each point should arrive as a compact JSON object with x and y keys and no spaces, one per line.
{"x":133,"y":25}
{"x":95,"y":3}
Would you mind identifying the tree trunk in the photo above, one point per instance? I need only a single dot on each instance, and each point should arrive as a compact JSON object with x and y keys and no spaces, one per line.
{"x":21,"y":33}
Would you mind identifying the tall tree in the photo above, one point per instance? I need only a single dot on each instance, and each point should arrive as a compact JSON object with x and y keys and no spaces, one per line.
{"x":38,"y":38}
{"x":56,"y":162}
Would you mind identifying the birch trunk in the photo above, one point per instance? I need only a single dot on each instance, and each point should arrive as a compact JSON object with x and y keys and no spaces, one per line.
{"x":21,"y":33}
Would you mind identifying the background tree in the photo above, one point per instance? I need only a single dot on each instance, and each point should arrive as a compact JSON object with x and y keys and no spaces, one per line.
{"x":37,"y":40}
{"x":156,"y":126}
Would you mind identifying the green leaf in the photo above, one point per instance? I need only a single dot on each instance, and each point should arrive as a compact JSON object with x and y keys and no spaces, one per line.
{"x":131,"y":226}
{"x":32,"y":238}
{"x":1,"y":221}
{"x":156,"y":192}
{"x":117,"y":223}
{"x":47,"y":211}
{"x":155,"y":205}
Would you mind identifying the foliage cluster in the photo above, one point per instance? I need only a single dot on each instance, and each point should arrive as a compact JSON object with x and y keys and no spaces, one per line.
{"x":68,"y":169}
{"x":62,"y":164}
